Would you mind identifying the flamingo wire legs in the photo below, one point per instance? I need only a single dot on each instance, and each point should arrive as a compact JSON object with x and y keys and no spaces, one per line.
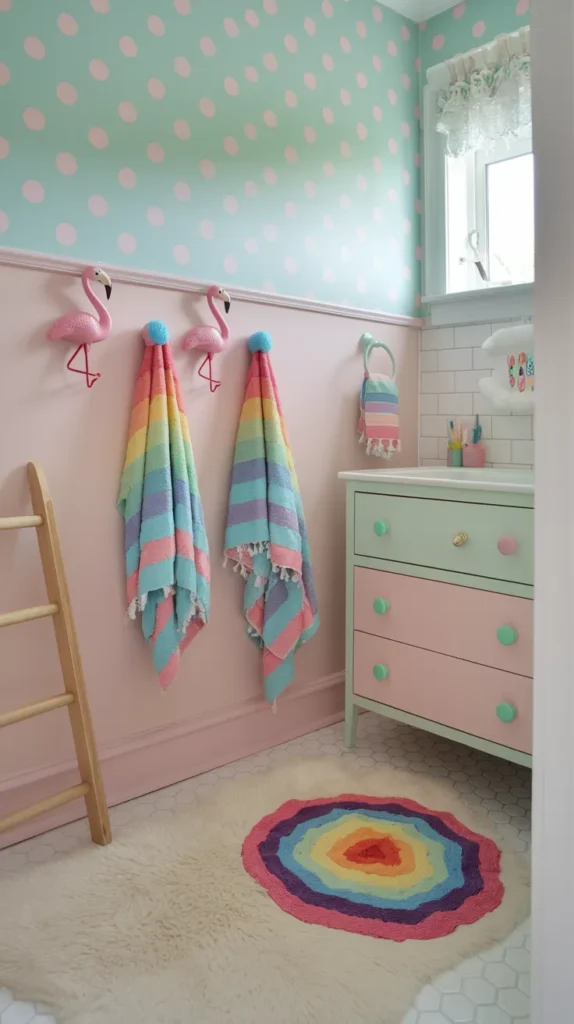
{"x":213,"y":384}
{"x":91,"y":378}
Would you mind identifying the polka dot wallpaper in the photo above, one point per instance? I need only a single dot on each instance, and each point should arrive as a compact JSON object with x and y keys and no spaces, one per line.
{"x":467,"y":25}
{"x":269,"y":143}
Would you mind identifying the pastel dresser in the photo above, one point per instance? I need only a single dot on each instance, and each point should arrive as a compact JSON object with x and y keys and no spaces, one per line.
{"x":439,"y":603}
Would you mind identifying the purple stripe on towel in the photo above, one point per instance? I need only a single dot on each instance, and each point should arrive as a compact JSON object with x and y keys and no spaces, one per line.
{"x":243,"y":472}
{"x":247,"y":512}
{"x":282,"y":516}
{"x":156,"y":504}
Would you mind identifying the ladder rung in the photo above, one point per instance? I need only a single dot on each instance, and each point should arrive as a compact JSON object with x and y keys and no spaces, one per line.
{"x":43,"y":806}
{"x":25,"y":614}
{"x":20,"y":522}
{"x":31,"y":710}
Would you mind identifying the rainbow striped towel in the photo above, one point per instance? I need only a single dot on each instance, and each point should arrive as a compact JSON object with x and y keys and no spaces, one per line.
{"x":266,"y":536}
{"x":378,"y":406}
{"x":167,"y":559}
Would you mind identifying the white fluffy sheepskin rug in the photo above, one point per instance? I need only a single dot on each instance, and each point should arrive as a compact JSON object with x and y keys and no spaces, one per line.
{"x":166,"y":925}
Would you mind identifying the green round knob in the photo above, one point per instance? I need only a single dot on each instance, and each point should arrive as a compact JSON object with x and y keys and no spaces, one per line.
{"x":380,"y":527}
{"x":381,"y":606}
{"x":380,"y":672}
{"x":507,"y":635}
{"x":506,"y":712}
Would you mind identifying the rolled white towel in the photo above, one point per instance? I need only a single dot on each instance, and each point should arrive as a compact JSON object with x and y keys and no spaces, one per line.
{"x":510,"y":339}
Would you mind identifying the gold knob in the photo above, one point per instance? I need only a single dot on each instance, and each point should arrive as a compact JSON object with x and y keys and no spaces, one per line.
{"x":459,"y":539}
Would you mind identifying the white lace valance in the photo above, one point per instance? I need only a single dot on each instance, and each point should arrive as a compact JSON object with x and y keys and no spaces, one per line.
{"x":484,"y":96}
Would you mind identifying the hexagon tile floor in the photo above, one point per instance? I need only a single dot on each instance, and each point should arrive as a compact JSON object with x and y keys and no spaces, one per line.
{"x":492,"y":988}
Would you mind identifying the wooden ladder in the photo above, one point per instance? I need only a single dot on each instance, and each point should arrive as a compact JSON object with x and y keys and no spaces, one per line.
{"x":75,"y":696}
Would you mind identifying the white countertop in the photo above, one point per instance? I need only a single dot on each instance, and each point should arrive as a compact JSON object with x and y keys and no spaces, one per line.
{"x":518,"y":481}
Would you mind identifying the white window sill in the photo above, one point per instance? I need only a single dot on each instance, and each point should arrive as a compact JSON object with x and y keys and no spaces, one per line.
{"x":483,"y":305}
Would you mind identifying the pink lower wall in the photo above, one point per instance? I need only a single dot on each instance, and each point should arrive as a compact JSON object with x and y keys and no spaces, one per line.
{"x":214,"y":711}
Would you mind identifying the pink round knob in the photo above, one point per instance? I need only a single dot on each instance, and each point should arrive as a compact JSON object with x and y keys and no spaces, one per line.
{"x":507,"y":546}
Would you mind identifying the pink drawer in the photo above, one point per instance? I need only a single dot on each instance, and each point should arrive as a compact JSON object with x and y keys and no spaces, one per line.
{"x":441,"y":617}
{"x":456,"y":693}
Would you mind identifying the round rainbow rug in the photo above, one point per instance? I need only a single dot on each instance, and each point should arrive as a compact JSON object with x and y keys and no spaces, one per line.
{"x":388,"y":868}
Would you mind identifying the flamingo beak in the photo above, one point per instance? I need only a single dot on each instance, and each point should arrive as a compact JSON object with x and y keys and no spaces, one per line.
{"x":227,"y":306}
{"x":108,"y":290}
{"x":227,"y":301}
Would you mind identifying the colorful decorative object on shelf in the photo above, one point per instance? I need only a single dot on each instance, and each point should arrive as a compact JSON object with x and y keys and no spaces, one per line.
{"x":512,"y":384}
{"x":167,"y":557}
{"x":379,"y":405}
{"x":380,"y":866}
{"x":84,"y":329}
{"x":266,"y":536}
{"x":206,"y":338}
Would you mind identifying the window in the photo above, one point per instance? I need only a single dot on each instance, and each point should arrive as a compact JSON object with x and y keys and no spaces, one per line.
{"x":479,"y":169}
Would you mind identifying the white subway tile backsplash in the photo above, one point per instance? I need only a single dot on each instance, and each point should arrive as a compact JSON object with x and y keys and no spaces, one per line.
{"x":428,"y":405}
{"x":471,"y":336}
{"x":429,"y":361}
{"x":438,"y":337}
{"x":482,"y":360}
{"x":455,"y":359}
{"x":483,"y":406}
{"x":512,"y":428}
{"x":467,"y":380}
{"x":498,"y":451}
{"x":523,"y":452}
{"x":433,"y":426}
{"x":455,"y":405}
{"x":442,"y":447}
{"x":428,"y":448}
{"x":434,"y":383}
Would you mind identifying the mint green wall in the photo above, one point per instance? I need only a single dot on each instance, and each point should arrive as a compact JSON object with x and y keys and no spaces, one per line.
{"x":468,"y":25}
{"x":267,"y":143}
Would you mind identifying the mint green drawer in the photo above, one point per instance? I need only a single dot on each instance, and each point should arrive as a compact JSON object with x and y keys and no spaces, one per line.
{"x":421,"y":531}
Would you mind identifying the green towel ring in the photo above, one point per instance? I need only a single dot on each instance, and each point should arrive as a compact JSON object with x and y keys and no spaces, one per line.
{"x":367,"y":344}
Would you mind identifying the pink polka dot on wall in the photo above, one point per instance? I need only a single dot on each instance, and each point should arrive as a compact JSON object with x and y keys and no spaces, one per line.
{"x":270,"y":62}
{"x":310,"y":134}
{"x":231,"y":27}
{"x":251,"y":74}
{"x":417,"y":112}
{"x":290,"y":210}
{"x":182,"y":130}
{"x":66,"y":93}
{"x":126,"y":242}
{"x":377,"y":113}
{"x":5,"y":5}
{"x":362,"y":131}
{"x":407,"y":273}
{"x":155,"y":216}
{"x":345,"y":149}
{"x":156,"y":88}
{"x":438,"y":42}
{"x":478,"y":29}
{"x":419,"y":206}
{"x":270,"y":118}
{"x":418,"y":160}
{"x":155,"y":25}
{"x":406,"y":177}
{"x":155,"y":153}
{"x":327,"y":8}
{"x":182,"y":6}
{"x":290,"y":265}
{"x":405,"y":79}
{"x":181,"y":191}
{"x":66,"y":234}
{"x":251,"y":190}
{"x":270,"y":6}
{"x":522,"y":6}
{"x":231,"y":86}
{"x":393,"y":147}
{"x":328,"y":115}
{"x":328,"y":62}
{"x":230,"y":265}
{"x":251,"y":246}
{"x":98,"y":138}
{"x":230,"y":205}
{"x":345,"y":44}
{"x":33,"y":191}
{"x":100,"y":6}
{"x":329,"y":169}
{"x":181,"y":254}
{"x":34,"y":119}
{"x":4,"y":148}
{"x":291,"y":44}
{"x":67,"y":25}
{"x":4,"y":74}
{"x":392,"y":48}
{"x":406,"y":129}
{"x":377,"y":63}
{"x":362,"y":81}
{"x":4,"y":221}
{"x":361,"y":29}
{"x":362,"y":183}
{"x":128,"y":46}
{"x":127,"y":178}
{"x":310,"y":80}
{"x":250,"y":131}
{"x":345,"y":97}
{"x":66,"y":163}
{"x":207,"y":107}
{"x":208,"y":47}
{"x":207,"y":168}
{"x":458,"y":10}
{"x":231,"y":145}
{"x":419,"y":252}
{"x":291,"y":154}
{"x":310,"y":189}
{"x":310,"y":26}
{"x":98,"y":70}
{"x":290,"y":98}
{"x":405,"y":33}
{"x":98,"y":206}
{"x":269,"y":176}
{"x":251,"y":18}
{"x":407,"y":226}
{"x":182,"y":67}
{"x":392,"y":194}
{"x":418,"y":65}
{"x":34,"y":48}
{"x":378,"y":164}
{"x":422,"y":26}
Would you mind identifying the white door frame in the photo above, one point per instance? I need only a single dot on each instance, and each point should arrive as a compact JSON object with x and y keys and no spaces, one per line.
{"x":553,"y":812}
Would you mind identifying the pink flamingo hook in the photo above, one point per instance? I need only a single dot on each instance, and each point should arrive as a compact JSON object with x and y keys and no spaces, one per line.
{"x":206,"y":338}
{"x":84,"y":328}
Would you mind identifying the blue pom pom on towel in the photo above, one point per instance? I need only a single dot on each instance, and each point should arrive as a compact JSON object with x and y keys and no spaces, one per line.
{"x":155,"y":333}
{"x":260,"y":342}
